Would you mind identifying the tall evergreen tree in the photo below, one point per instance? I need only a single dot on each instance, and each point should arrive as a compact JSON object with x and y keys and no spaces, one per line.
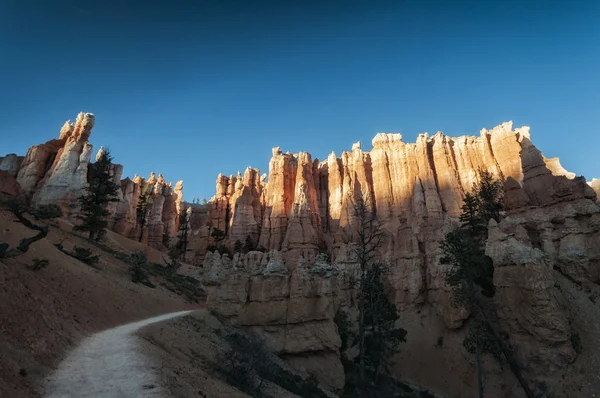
{"x":141,"y":210}
{"x":184,"y":226}
{"x":382,"y":337}
{"x":101,"y":190}
{"x":471,"y":274}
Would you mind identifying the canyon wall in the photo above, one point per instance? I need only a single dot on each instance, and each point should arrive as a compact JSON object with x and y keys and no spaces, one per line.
{"x":56,"y":172}
{"x":304,"y":210}
{"x":296,"y":226}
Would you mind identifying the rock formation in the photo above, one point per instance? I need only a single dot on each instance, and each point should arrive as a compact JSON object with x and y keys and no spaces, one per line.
{"x":297,"y":228}
{"x":416,"y":190}
{"x":165,"y":203}
{"x":11,"y":164}
{"x":56,"y":172}
{"x":293,"y":309}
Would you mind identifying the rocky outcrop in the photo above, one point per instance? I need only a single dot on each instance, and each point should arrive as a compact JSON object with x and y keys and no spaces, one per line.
{"x":531,"y":309}
{"x":416,"y":190}
{"x":56,"y":172}
{"x":595,"y":184}
{"x":293,"y":309}
{"x":11,"y":164}
{"x":287,"y":220}
{"x":165,"y":204}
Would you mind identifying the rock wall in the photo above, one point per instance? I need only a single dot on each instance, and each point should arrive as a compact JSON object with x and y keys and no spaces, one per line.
{"x":11,"y":163}
{"x":292,"y":308}
{"x":551,"y":226}
{"x":56,"y":172}
{"x":284,"y":287}
{"x":165,"y":203}
{"x":416,"y":191}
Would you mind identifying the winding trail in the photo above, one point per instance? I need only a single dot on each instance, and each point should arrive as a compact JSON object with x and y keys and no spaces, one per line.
{"x":109,"y":364}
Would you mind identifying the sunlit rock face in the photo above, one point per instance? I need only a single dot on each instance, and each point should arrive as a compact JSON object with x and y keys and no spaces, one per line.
{"x":56,"y":172}
{"x":305,"y":207}
{"x":416,"y":191}
{"x":165,"y":204}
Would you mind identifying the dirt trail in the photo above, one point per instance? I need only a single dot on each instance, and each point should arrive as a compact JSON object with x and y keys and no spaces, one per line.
{"x":109,"y":364}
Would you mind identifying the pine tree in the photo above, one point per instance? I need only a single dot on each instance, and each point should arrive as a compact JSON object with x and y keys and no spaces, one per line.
{"x":471,"y":273}
{"x":184,"y":226}
{"x":382,"y":337}
{"x":237,"y":246}
{"x":248,"y":244}
{"x":218,"y":235}
{"x":369,"y":237}
{"x":101,"y":190}
{"x":141,"y":210}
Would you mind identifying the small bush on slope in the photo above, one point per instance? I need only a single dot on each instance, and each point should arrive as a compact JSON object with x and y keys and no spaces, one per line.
{"x":138,"y":265}
{"x":47,"y":212}
{"x":38,"y":264}
{"x":86,"y":256}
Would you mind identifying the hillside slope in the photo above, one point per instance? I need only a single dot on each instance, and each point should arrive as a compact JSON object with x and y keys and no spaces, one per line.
{"x":46,"y":312}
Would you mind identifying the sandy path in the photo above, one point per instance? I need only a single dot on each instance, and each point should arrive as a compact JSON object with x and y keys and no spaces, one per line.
{"x":109,"y":364}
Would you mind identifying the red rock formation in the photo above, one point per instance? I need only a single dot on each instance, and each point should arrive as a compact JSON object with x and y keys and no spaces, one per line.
{"x":56,"y":172}
{"x":164,"y":206}
{"x":416,"y":191}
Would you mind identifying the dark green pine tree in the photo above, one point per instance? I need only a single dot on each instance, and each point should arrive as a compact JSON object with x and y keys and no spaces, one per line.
{"x":101,"y":190}
{"x":248,"y":244}
{"x":184,"y":225}
{"x":471,"y":274}
{"x":141,"y":211}
{"x":382,"y":337}
{"x":237,"y":246}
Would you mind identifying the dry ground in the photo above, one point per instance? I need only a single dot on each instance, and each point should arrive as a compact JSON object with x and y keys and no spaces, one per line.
{"x":45,"y":313}
{"x":187,"y":349}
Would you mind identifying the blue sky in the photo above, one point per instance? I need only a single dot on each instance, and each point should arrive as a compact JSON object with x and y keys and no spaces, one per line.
{"x":191,"y":89}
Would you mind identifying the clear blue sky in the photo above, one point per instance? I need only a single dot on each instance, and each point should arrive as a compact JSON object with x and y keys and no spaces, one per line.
{"x":191,"y":89}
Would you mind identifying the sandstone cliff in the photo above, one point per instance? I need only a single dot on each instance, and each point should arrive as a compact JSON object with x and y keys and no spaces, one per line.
{"x":56,"y":172}
{"x":296,"y":224}
{"x":416,"y":190}
{"x":551,"y":227}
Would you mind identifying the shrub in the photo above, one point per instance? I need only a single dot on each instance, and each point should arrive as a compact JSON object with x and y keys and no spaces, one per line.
{"x":237,"y":246}
{"x":48,"y":211}
{"x":38,"y":263}
{"x":173,"y":263}
{"x":138,"y":262}
{"x":225,"y":250}
{"x":86,"y":256}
